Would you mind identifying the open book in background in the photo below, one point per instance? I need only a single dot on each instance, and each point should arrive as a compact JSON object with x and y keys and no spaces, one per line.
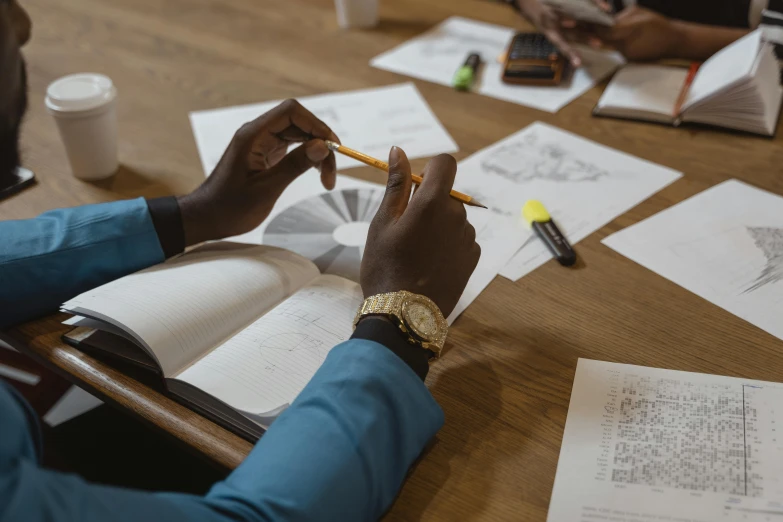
{"x":236,"y":331}
{"x":737,"y":88}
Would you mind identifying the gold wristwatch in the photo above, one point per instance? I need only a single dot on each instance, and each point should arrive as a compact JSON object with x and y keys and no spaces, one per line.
{"x":419,"y":319}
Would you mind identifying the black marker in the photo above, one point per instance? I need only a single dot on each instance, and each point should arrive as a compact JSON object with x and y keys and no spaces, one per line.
{"x":539,"y":219}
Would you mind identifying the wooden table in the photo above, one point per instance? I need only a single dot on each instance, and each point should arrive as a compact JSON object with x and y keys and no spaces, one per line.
{"x":506,"y":381}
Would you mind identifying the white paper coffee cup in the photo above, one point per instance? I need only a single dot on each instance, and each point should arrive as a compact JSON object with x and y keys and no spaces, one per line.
{"x":357,"y":13}
{"x":83,"y":105}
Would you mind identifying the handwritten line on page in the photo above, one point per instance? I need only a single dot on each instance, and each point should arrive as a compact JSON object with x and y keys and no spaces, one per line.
{"x":438,"y":53}
{"x":268,"y":363}
{"x":370,"y":120}
{"x":650,"y":444}
{"x":584,"y":186}
{"x":724,"y":244}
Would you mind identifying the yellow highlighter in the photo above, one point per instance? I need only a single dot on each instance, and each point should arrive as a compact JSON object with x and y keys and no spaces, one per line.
{"x":539,"y":220}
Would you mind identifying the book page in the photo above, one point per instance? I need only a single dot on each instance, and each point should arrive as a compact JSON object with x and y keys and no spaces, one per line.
{"x":727,"y":67}
{"x":186,"y":306}
{"x":267,"y":364}
{"x":653,"y":445}
{"x":644,"y":89}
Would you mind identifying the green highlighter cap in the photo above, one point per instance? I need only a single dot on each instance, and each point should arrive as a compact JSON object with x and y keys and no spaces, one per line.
{"x":466,"y":75}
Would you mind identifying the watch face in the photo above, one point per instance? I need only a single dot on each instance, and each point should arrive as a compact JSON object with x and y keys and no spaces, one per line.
{"x":421,"y":318}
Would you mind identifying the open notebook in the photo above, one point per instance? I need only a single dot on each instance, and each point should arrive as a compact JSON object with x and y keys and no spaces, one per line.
{"x":738,"y":88}
{"x":232,"y":328}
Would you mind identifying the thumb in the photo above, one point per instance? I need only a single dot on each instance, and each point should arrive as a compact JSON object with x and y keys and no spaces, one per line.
{"x":298,"y":161}
{"x":398,"y":187}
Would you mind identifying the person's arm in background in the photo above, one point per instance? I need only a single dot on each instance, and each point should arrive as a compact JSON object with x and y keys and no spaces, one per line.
{"x":642,"y":34}
{"x":343,"y":448}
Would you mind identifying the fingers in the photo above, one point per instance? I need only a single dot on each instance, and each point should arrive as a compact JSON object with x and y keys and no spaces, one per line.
{"x":439,"y":177}
{"x":604,"y":5}
{"x":289,"y":122}
{"x":557,"y":39}
{"x":311,"y":154}
{"x":329,"y":171}
{"x":398,"y":187}
{"x":291,"y":113}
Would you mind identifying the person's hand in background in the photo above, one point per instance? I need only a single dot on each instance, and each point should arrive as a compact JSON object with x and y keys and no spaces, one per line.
{"x":640,"y":34}
{"x":556,"y":27}
{"x":422,"y":244}
{"x":254,"y":171}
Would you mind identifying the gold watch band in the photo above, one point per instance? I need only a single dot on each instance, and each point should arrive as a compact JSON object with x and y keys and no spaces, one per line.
{"x":381,"y":304}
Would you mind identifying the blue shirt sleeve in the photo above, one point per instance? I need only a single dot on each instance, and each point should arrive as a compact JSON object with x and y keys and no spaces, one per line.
{"x":339,"y":452}
{"x":49,"y":259}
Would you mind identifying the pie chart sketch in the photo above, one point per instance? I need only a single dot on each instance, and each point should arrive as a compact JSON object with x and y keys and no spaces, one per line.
{"x":330,"y":229}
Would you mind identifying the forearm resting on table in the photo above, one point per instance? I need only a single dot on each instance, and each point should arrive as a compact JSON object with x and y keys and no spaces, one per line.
{"x":340,"y":452}
{"x":699,"y":42}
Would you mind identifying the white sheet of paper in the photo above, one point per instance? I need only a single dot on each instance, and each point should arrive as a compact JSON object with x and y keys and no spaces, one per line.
{"x":583,"y":185}
{"x":724,"y":244}
{"x":306,"y":192}
{"x":652,"y":445}
{"x":369,"y":120}
{"x":437,"y":54}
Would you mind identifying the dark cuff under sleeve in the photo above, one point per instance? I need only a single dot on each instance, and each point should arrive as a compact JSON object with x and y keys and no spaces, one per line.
{"x":382,"y":331}
{"x":167,"y":220}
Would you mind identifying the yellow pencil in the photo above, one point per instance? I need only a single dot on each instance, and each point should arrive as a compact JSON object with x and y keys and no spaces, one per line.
{"x":382,"y":165}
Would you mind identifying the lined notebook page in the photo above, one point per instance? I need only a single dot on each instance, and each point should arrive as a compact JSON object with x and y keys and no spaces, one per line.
{"x":266,"y":365}
{"x":190,"y":304}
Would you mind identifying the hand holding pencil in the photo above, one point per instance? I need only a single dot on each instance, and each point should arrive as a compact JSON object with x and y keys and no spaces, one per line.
{"x":382,"y":165}
{"x":420,"y":241}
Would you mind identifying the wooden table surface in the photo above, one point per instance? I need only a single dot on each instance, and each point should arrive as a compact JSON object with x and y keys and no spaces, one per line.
{"x":505,"y":382}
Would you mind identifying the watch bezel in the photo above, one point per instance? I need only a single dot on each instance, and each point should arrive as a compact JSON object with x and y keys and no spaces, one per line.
{"x":441,"y":324}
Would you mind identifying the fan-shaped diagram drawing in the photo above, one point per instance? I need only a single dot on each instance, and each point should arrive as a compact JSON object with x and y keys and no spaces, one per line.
{"x":529,"y":159}
{"x":330,"y":229}
{"x":769,"y":241}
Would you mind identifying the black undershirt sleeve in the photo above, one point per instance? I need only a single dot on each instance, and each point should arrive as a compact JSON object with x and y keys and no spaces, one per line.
{"x":384,"y":332}
{"x":167,"y":219}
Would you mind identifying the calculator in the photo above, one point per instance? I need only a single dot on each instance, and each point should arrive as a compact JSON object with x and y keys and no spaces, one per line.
{"x":532,"y":59}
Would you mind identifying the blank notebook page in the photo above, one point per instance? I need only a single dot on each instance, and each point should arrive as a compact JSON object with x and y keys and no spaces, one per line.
{"x":191,"y":303}
{"x":649,"y":88}
{"x":266,"y":365}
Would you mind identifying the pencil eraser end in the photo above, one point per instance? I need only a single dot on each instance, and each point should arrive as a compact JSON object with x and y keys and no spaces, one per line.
{"x":534,"y":210}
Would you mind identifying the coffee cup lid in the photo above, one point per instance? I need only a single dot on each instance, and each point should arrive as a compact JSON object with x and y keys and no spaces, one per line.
{"x":79,"y":92}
